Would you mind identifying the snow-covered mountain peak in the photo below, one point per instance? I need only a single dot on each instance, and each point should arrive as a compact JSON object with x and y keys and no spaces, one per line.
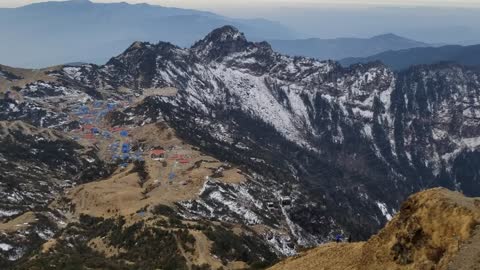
{"x":224,"y":41}
{"x":327,"y":149}
{"x":225,"y":34}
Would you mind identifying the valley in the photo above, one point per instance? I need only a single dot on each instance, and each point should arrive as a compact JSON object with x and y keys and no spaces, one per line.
{"x":227,"y":155}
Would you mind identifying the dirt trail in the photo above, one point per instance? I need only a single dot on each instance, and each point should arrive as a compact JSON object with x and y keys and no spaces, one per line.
{"x":184,"y":254}
{"x":468,"y":257}
{"x":202,"y":251}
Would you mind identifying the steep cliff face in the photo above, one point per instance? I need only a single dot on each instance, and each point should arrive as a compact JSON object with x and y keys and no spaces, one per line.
{"x":326,"y":149}
{"x":436,"y":125}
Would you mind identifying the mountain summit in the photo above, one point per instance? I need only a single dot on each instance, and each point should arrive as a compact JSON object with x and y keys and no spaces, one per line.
{"x":224,"y":35}
{"x":223,"y":42}
{"x":231,"y":146}
{"x":77,"y":31}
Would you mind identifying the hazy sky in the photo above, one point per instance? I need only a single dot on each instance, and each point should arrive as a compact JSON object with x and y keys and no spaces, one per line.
{"x":430,"y":21}
{"x":433,"y":21}
{"x":229,"y":4}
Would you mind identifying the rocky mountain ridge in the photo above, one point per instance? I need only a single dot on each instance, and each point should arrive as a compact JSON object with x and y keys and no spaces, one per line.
{"x":325,"y":149}
{"x":349,"y":119}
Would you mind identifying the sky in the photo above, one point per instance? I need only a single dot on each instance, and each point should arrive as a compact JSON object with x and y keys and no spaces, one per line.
{"x":218,"y":5}
{"x":431,"y":21}
{"x":437,"y":22}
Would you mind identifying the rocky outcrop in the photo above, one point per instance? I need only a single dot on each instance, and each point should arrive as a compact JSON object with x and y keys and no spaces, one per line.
{"x":434,"y":229}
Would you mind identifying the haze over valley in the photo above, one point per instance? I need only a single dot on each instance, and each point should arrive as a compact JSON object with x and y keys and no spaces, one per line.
{"x":138,"y":136}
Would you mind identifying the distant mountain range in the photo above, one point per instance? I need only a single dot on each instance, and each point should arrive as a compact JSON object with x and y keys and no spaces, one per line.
{"x":402,"y":59}
{"x":78,"y":31}
{"x":52,"y":33}
{"x":340,"y":48}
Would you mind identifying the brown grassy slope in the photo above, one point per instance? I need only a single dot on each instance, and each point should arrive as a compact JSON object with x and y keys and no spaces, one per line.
{"x":122,"y":193}
{"x":26,"y":76}
{"x":7,"y":128}
{"x":428,"y":232}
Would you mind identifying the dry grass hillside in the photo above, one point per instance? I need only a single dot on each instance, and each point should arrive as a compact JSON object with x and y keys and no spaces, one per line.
{"x":8,"y":128}
{"x":133,"y":193}
{"x":22,"y":77}
{"x":435,"y":229}
{"x":100,"y":222}
{"x":136,"y":187}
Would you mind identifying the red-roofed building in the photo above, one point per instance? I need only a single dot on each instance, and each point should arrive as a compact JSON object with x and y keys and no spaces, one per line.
{"x":157,"y":154}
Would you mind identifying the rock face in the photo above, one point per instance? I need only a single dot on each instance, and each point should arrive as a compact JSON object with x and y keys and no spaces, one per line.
{"x":345,"y":145}
{"x":434,"y":229}
{"x":326,"y":149}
